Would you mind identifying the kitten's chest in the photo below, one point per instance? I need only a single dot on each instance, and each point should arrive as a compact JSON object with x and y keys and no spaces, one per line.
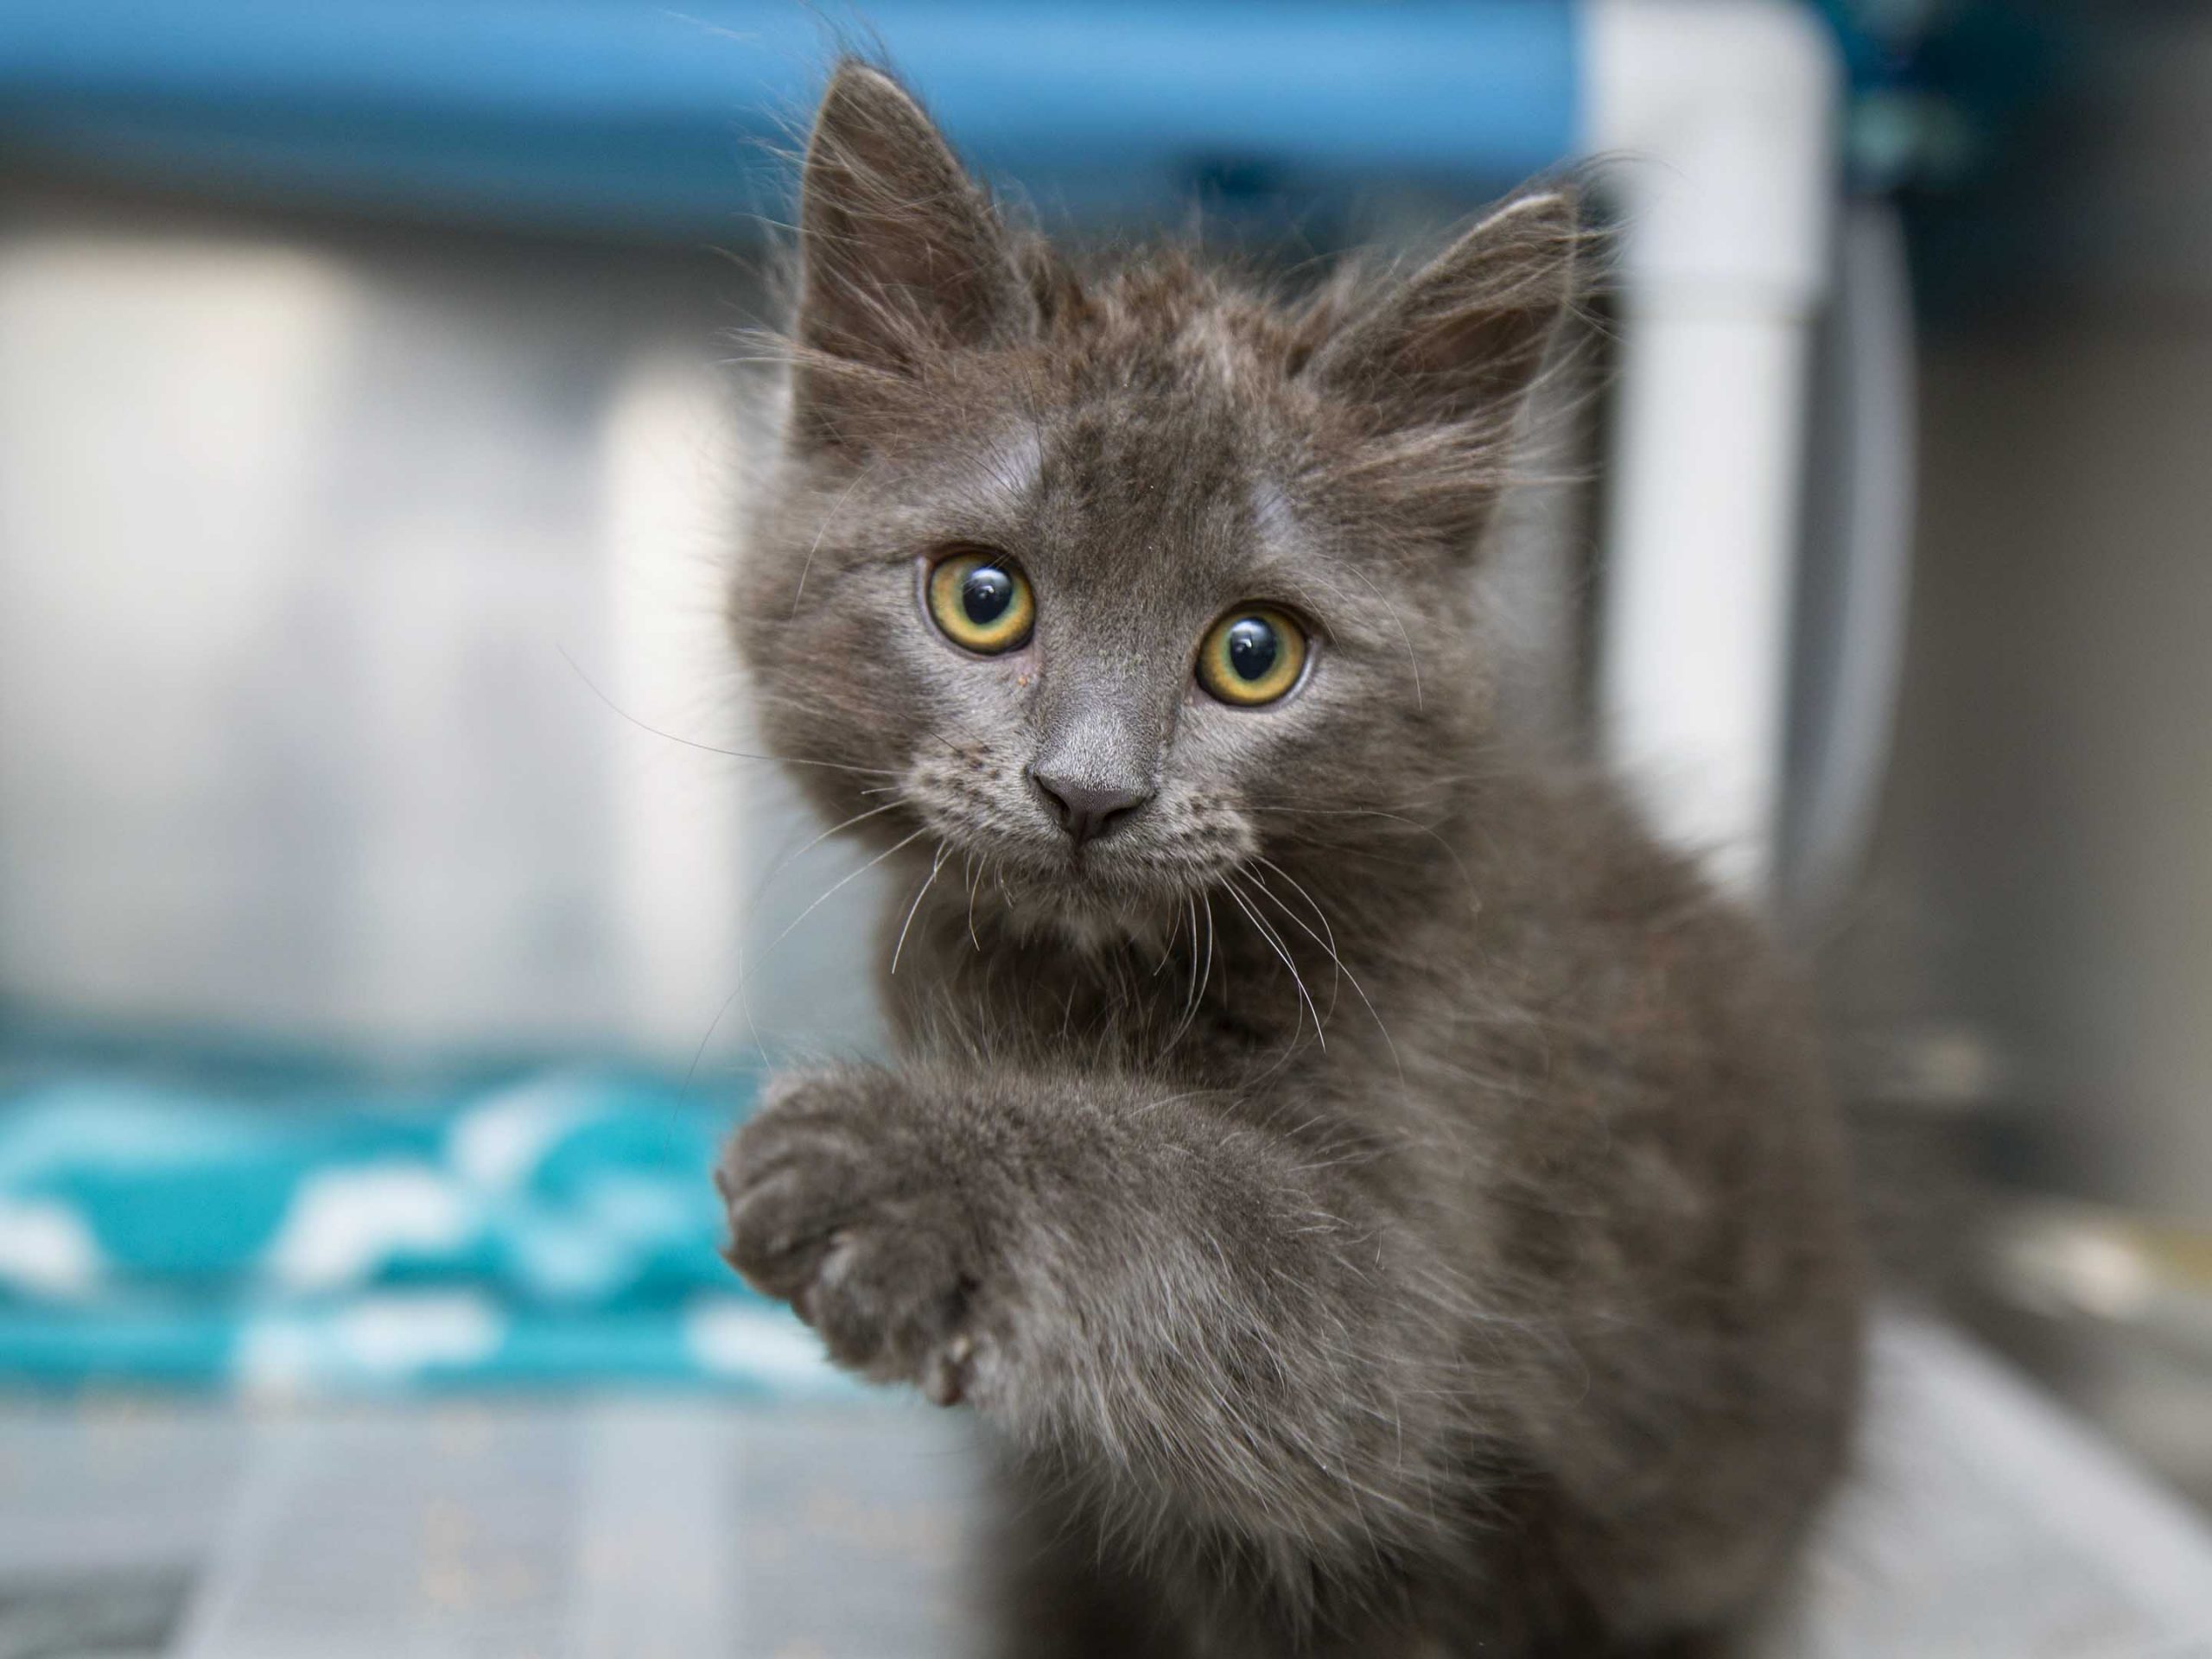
{"x":1202,"y":1002}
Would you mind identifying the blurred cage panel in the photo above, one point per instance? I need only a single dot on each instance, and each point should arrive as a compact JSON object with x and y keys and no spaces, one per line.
{"x":325,"y":544}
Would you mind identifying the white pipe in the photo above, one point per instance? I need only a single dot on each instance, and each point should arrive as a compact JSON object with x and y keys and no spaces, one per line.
{"x":1694,"y":665}
{"x":1719,"y":116}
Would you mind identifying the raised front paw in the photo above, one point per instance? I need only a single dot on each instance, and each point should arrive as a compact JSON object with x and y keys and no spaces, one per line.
{"x":839,"y":1205}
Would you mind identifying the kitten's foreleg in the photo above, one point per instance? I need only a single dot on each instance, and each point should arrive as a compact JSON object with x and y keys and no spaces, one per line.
{"x":1219,"y":1332}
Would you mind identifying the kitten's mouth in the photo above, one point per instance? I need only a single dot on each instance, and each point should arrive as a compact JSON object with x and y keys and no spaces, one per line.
{"x":1180,"y":847}
{"x":1092,"y":873}
{"x":1099,"y":877}
{"x":1092,"y":903}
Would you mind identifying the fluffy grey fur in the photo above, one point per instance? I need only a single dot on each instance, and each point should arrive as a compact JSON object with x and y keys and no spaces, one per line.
{"x":1379,"y":1201}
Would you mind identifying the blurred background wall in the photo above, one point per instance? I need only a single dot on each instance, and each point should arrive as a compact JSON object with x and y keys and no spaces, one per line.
{"x":2033,"y":940}
{"x":300,"y":520}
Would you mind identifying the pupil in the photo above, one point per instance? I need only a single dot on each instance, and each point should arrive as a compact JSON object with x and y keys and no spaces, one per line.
{"x":1252,"y":648}
{"x":985,"y":593}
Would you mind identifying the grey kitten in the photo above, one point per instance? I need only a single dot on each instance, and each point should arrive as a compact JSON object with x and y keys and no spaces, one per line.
{"x":1379,"y":1202}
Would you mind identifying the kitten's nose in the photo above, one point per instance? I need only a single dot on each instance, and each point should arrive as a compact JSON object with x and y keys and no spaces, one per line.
{"x":1087,"y":810}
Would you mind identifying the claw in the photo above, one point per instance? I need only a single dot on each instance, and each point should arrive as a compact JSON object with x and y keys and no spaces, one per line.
{"x":944,"y":1378}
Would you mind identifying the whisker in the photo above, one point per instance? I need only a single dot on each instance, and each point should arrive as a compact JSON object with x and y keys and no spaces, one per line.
{"x":713,"y":1024}
{"x":842,"y":882}
{"x":711,"y":748}
{"x":1301,"y":890}
{"x":1275,"y":944}
{"x":745,"y":974}
{"x":1199,"y":977}
{"x":1168,"y":952}
{"x":1412,"y":661}
{"x":721,"y":1011}
{"x":1329,"y":945}
{"x":791,"y":858}
{"x":1375,"y":812}
{"x":974,"y":880}
{"x":928,"y":881}
{"x":822,"y":530}
{"x":1206,"y":977}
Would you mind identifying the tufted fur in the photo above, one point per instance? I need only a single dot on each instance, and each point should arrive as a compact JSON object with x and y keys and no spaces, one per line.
{"x":1381,"y":1203}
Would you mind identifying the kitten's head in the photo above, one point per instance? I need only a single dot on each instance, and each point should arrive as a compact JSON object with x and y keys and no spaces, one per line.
{"x":1119,"y":581}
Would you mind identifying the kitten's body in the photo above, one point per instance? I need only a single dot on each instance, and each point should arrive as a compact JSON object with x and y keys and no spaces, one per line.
{"x":1381,"y":1203}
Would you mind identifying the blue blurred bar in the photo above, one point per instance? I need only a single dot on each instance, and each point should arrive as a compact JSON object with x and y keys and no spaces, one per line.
{"x":640,"y":118}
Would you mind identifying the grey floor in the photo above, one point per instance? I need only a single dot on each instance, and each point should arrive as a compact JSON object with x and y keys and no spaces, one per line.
{"x":1984,"y":1525}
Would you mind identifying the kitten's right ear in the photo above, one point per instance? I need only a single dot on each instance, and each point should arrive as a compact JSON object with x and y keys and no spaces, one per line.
{"x":1460,"y":341}
{"x":902,"y":254}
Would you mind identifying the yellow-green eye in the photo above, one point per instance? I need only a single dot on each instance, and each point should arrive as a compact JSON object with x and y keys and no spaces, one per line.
{"x":981,"y":602}
{"x":1252,"y":655}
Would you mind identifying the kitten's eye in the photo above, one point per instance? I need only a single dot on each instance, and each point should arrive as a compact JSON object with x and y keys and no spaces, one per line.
{"x":981,"y":602}
{"x":1252,"y":655}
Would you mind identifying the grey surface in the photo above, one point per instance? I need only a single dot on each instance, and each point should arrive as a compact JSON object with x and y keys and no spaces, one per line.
{"x":1984,"y":1526}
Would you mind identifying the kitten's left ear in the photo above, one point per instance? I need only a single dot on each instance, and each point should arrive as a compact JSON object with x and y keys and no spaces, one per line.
{"x":1460,"y":339}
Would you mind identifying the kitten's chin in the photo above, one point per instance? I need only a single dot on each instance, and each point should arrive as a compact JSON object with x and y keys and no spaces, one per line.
{"x":1092,"y":909}
{"x":1086,"y":931}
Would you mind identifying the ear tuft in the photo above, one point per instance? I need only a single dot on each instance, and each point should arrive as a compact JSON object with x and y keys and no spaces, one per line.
{"x":903,"y":256}
{"x":1459,"y":342}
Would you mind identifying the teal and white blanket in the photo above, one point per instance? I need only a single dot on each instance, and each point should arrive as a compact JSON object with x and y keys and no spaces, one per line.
{"x":558,"y":1229}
